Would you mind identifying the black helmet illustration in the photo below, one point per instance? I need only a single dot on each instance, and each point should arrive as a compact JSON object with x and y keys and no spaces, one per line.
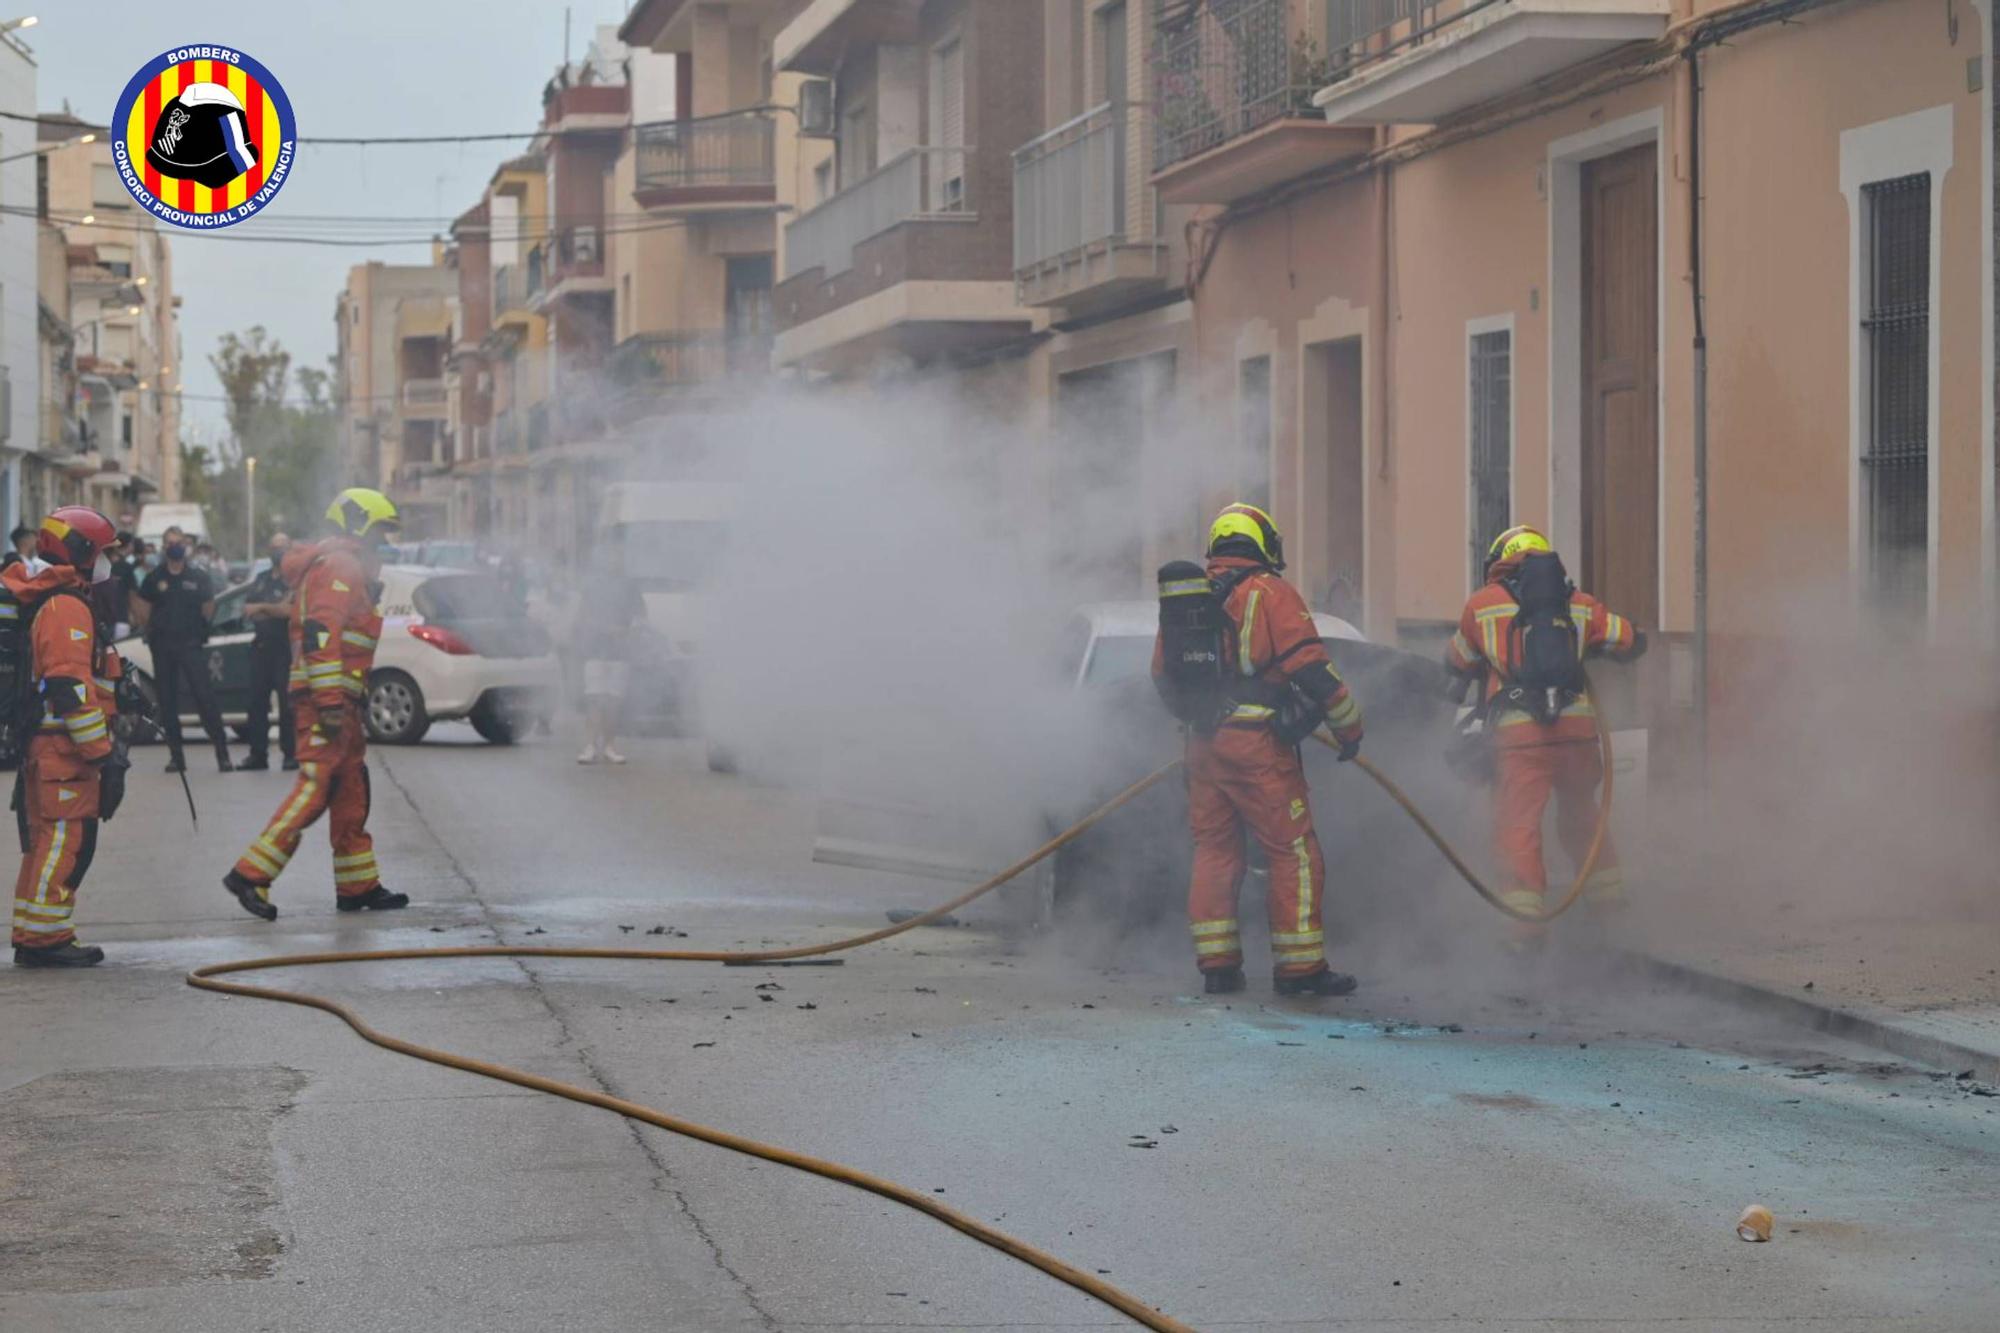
{"x":202,"y":136}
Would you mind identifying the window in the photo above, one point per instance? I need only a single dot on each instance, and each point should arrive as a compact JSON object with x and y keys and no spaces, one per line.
{"x":823,"y":181}
{"x":1253,"y":433}
{"x":947,"y":164}
{"x":1490,"y":423}
{"x":857,"y":144}
{"x":105,"y":189}
{"x":1895,"y":458}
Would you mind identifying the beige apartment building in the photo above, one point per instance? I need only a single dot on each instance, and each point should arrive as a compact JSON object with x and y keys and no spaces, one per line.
{"x":1410,"y":274}
{"x":113,"y":322}
{"x":391,"y":325}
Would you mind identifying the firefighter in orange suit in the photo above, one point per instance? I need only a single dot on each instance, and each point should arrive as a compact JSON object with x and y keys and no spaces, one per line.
{"x":334,"y":627}
{"x":1245,"y":774}
{"x":1538,"y":760}
{"x":72,"y":775}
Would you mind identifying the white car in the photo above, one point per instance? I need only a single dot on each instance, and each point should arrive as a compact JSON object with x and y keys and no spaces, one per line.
{"x":454,"y":644}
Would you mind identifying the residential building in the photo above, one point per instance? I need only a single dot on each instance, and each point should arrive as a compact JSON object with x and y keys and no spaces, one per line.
{"x":707,"y":184}
{"x":20,"y":342}
{"x":900,"y":252}
{"x":1449,"y":253}
{"x":125,"y":318}
{"x":64,"y":457}
{"x":391,"y":319}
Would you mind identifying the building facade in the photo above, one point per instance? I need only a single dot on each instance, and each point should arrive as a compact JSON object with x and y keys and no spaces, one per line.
{"x":123,"y":323}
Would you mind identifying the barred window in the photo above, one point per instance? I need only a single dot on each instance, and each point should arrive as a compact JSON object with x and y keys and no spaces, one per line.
{"x":1895,"y":459}
{"x":1491,"y":418}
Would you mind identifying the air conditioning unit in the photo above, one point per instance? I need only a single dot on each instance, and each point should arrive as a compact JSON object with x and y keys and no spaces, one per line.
{"x":816,"y":120}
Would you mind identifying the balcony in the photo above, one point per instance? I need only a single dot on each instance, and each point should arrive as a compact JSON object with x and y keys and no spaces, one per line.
{"x":1233,"y":89}
{"x":720,"y":163}
{"x":1396,"y":62}
{"x":510,"y":302}
{"x":1070,"y":216}
{"x":825,"y":30}
{"x":919,"y":184}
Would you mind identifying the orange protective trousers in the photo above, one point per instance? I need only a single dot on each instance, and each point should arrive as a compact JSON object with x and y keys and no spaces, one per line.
{"x":333,"y":778}
{"x":1240,"y":778}
{"x":58,"y":824}
{"x":1529,"y":776}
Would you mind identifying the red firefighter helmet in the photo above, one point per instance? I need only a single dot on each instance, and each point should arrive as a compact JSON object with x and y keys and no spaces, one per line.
{"x":75,"y":535}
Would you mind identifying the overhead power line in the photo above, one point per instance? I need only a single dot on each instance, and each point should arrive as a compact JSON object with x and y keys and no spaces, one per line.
{"x":407,"y":140}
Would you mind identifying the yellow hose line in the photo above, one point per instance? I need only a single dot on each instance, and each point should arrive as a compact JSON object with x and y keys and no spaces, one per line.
{"x":204,"y":978}
{"x":1583,"y":872}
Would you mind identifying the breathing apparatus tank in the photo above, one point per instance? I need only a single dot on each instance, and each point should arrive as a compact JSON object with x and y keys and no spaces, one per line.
{"x":1193,"y":624}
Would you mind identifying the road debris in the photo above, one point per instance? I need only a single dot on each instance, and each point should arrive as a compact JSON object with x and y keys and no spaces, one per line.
{"x":1755,"y":1224}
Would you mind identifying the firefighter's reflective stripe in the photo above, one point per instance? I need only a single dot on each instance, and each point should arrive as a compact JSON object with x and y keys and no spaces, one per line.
{"x":1489,"y":628}
{"x":353,"y":683}
{"x":1253,"y":713}
{"x":1186,"y":588}
{"x":47,"y":870}
{"x":1246,"y":634}
{"x":1514,"y":717}
{"x":10,"y":610}
{"x":355,"y":638}
{"x":357,"y":869}
{"x":1345,"y":712}
{"x":86,"y":725}
{"x":1302,"y":852}
{"x":1214,"y":938}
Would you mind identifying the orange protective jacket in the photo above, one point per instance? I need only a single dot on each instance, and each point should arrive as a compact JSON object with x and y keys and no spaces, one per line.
{"x":68,"y":656}
{"x":1276,"y":641}
{"x":334,"y":625}
{"x":1484,"y":643}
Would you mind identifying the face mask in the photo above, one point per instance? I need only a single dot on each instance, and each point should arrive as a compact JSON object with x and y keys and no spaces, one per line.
{"x":100,"y":571}
{"x":177,"y":552}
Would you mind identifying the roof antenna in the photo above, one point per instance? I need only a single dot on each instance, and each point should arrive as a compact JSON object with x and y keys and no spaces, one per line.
{"x":565,"y":38}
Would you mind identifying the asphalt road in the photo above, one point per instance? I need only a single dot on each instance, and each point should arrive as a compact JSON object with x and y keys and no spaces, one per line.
{"x":1469,"y":1143}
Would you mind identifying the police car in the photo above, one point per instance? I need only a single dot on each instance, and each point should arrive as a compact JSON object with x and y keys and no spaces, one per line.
{"x":455,"y":644}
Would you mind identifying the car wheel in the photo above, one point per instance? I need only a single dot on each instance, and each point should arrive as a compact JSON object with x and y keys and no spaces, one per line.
{"x":494,"y":723}
{"x":396,"y":713}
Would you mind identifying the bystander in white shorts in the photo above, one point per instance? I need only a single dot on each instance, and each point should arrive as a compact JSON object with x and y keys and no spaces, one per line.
{"x":604,"y":680}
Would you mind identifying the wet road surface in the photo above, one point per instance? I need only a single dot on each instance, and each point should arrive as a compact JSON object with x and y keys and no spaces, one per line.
{"x":1469,"y":1143}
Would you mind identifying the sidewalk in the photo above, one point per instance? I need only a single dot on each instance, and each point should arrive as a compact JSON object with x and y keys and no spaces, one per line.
{"x":1927,"y":990}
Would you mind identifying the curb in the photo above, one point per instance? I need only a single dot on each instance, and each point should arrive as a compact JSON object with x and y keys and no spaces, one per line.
{"x":1871,"y":1025}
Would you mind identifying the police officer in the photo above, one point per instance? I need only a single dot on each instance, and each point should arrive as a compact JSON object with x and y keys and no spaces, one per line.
{"x":270,"y":610}
{"x":179,"y":600}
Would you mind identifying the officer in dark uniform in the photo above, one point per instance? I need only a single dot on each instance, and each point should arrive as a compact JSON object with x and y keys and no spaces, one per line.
{"x":179,"y":600}
{"x":269,"y":607}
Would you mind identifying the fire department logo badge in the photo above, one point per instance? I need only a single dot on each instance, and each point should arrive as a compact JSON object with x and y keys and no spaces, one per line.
{"x":203,"y":136}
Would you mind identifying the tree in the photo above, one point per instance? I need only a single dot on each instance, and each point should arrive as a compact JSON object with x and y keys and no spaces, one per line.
{"x":295,"y":443}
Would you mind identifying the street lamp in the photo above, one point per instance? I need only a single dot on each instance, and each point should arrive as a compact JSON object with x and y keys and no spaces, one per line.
{"x":11,"y":24}
{"x":250,"y":520}
{"x":48,"y":148}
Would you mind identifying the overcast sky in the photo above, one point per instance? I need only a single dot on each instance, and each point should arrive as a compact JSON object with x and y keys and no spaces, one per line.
{"x":359,"y":67}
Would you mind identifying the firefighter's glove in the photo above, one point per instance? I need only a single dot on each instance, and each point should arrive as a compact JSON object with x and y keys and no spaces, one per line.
{"x":1639,"y":645}
{"x":1350,"y":746}
{"x":332,"y":721}
{"x":111,"y":786}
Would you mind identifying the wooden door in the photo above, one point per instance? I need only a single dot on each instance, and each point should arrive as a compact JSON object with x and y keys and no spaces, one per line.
{"x":1621,"y":446}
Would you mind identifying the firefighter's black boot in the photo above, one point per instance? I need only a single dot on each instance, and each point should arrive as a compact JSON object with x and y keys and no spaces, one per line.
{"x":67,"y":954}
{"x":1222,"y":981}
{"x":254,"y":900}
{"x":377,"y":899}
{"x":1323,"y":982}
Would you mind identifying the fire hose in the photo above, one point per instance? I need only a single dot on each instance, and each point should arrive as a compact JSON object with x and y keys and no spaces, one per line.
{"x":206,"y":978}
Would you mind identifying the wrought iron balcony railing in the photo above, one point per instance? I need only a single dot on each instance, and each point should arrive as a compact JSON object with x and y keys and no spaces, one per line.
{"x":1222,"y":68}
{"x":737,"y":149}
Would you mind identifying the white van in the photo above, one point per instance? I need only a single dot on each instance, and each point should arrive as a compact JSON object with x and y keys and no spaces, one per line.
{"x":670,"y":536}
{"x":156,"y":518}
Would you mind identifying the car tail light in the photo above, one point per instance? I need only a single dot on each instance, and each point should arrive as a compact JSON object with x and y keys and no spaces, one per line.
{"x":442,"y":639}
